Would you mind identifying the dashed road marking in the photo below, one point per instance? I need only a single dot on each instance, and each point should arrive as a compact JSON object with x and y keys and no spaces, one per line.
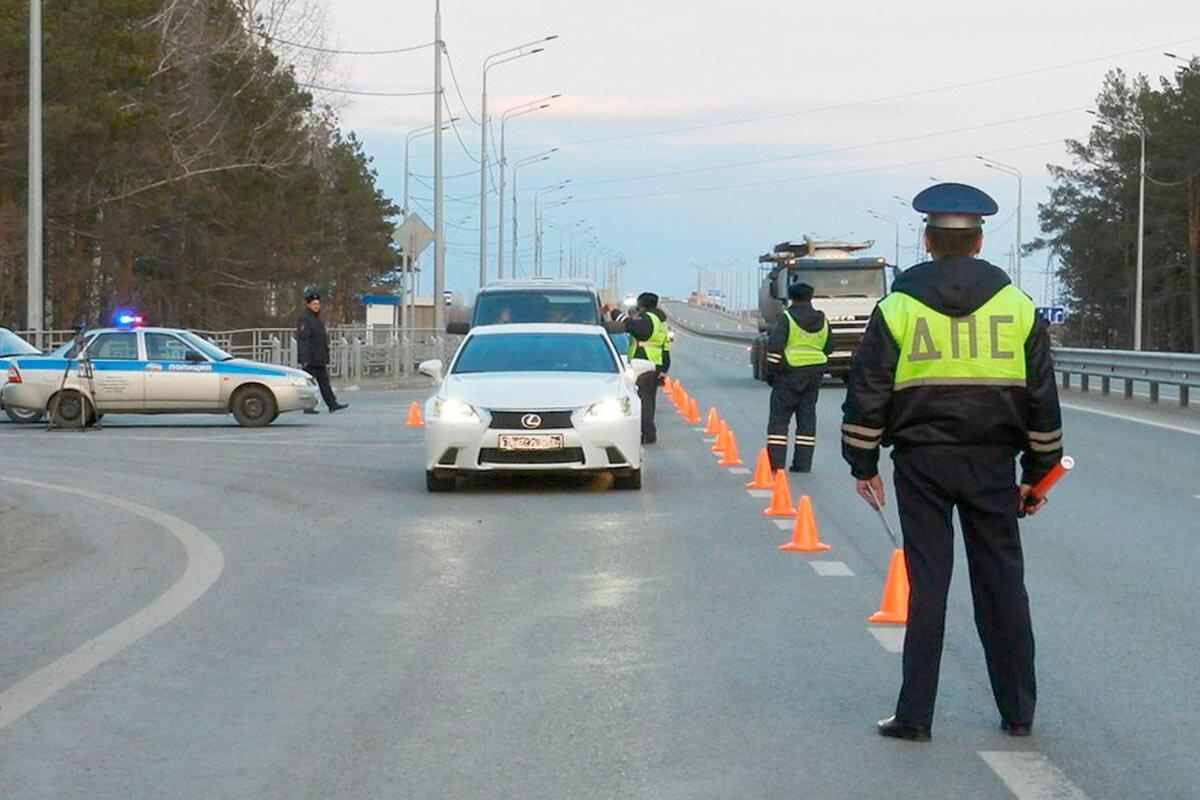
{"x":891,"y":639}
{"x":831,"y":569}
{"x":739,"y":471}
{"x":205,"y":562}
{"x":759,"y":492}
{"x":784,"y":524}
{"x":1031,"y":776}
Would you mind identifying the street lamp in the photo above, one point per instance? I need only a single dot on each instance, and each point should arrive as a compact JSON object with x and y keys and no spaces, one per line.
{"x":416,"y":133}
{"x":915,"y":228}
{"x":516,"y":111}
{"x":1141,"y":234}
{"x":1188,"y":64}
{"x":896,"y":223}
{"x":537,"y":222}
{"x":494,"y":60}
{"x":35,"y":302}
{"x":516,"y":169}
{"x":1009,"y":169}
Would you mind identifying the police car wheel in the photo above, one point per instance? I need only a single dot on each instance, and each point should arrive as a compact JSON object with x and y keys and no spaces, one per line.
{"x":254,"y":407}
{"x":23,"y":414}
{"x":67,"y":407}
{"x":628,"y":481}
{"x":438,"y":483}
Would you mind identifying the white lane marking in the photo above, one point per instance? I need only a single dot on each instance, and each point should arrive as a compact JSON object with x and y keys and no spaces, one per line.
{"x":252,"y":440}
{"x":784,"y":524}
{"x":831,"y":569}
{"x":205,"y":562}
{"x":1127,"y":418}
{"x":1031,"y":776}
{"x":891,"y":639}
{"x":739,"y":471}
{"x":759,"y":492}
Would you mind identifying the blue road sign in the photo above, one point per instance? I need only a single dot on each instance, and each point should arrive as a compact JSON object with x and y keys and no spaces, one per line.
{"x":1055,"y":315}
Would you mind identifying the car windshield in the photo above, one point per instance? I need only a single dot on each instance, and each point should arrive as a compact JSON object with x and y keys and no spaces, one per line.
{"x":13,"y":345}
{"x":535,"y":352}
{"x":205,"y":346}
{"x":843,"y":282}
{"x":502,"y":308}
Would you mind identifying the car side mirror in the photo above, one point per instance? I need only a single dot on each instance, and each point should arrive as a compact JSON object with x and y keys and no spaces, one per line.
{"x":640,"y":366}
{"x":193,"y":357}
{"x":431,"y":368}
{"x":458,"y":327}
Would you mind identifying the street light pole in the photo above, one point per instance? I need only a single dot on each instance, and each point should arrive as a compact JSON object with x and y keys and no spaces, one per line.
{"x":34,"y":296}
{"x":516,"y":111}
{"x":439,"y":241}
{"x":537,"y":229}
{"x":1009,"y":169}
{"x":895,"y":223}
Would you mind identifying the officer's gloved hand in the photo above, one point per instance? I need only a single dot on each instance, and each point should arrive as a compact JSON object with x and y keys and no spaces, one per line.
{"x":662,"y":379}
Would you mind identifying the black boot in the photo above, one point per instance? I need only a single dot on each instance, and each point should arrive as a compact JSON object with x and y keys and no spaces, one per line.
{"x":1016,"y":728}
{"x":895,"y":729}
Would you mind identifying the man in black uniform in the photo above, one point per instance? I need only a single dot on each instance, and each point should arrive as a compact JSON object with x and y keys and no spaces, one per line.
{"x":797,"y":352}
{"x":312,"y":350}
{"x":649,"y":339}
{"x":955,"y":373}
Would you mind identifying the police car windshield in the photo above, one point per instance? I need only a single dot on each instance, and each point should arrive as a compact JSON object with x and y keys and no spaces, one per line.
{"x":504,"y":307}
{"x":13,"y":345}
{"x":535,"y":352}
{"x":205,"y":346}
{"x":843,"y":282}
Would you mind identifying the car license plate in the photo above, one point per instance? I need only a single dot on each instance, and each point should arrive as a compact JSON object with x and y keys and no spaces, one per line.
{"x":531,"y":441}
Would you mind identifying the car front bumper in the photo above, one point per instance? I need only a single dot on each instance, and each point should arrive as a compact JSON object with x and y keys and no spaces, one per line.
{"x":296,"y":398}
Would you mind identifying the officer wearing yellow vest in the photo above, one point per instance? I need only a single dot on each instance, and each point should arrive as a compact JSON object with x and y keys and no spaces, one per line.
{"x":954,"y":372}
{"x":797,"y":352}
{"x":649,"y":339}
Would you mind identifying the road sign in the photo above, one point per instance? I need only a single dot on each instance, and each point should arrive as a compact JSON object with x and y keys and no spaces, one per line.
{"x":413,"y":236}
{"x":1055,"y":315}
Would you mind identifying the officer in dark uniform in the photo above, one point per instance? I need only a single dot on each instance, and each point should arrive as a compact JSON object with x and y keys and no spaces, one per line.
{"x":649,"y":339}
{"x":797,"y":352}
{"x":312,"y":350}
{"x":955,"y":373}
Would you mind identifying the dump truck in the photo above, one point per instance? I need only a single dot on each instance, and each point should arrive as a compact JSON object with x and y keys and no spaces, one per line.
{"x":847,"y":284}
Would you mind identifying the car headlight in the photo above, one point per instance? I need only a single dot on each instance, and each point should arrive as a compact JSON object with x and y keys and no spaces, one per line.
{"x":612,"y":408}
{"x":453,"y":410}
{"x":301,"y":380}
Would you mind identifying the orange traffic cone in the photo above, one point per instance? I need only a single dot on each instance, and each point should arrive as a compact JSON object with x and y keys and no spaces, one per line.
{"x":722,"y":437}
{"x":680,"y":400}
{"x":894,"y":608}
{"x":781,"y":498}
{"x":414,"y":416}
{"x":693,"y":412}
{"x":729,"y":456}
{"x":713,"y":426}
{"x":804,"y":536}
{"x":762,"y":472}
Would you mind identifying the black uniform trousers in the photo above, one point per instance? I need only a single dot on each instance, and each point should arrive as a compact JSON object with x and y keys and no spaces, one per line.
{"x":321,"y":373}
{"x":981,"y":483}
{"x":647,"y":389}
{"x":794,"y":393}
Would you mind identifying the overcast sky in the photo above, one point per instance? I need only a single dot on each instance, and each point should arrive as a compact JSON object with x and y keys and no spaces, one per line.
{"x":631,"y":67}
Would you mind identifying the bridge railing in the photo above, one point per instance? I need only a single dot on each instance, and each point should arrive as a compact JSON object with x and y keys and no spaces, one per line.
{"x":1130,"y":368}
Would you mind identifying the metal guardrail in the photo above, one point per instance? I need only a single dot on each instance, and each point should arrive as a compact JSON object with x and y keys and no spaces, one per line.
{"x":712,"y":332}
{"x":355,"y":351}
{"x":1180,"y":370}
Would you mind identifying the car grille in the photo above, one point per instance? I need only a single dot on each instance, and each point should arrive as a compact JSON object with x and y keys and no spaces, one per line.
{"x":567,"y":455}
{"x":550,"y":420}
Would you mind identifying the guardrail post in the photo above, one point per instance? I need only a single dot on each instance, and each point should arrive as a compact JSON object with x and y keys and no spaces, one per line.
{"x":1066,"y":383}
{"x":343,"y":359}
{"x":1128,"y":389}
{"x":1153,"y":391}
{"x":1083,"y":381}
{"x":356,"y":359}
{"x":1183,"y":396}
{"x":276,"y":350}
{"x":1105,"y":385}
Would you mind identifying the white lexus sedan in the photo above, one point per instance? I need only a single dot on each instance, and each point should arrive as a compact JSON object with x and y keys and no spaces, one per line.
{"x":534,"y":398}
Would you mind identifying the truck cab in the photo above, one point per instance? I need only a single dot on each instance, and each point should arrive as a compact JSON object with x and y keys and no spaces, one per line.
{"x":847,"y":284}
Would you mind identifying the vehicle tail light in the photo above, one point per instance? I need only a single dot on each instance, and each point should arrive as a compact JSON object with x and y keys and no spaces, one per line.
{"x":14,"y":374}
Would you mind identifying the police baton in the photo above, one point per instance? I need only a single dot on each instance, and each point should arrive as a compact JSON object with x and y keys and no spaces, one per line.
{"x":1043,"y":487}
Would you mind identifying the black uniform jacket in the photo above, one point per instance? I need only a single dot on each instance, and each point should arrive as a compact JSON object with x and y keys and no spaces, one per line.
{"x":1025,"y":419}
{"x":808,"y":318}
{"x":641,"y":329}
{"x":312,"y":342}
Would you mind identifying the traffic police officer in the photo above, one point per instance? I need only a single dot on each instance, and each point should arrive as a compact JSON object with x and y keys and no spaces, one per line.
{"x":649,"y":339}
{"x":955,"y":373}
{"x":797,"y":352}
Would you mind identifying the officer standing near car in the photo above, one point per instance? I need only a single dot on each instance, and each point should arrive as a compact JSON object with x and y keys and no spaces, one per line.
{"x":955,"y":372}
{"x":797,"y":352}
{"x":648,"y":331}
{"x":312,"y":350}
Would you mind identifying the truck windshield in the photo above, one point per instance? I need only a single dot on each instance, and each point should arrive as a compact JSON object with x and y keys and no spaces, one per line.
{"x":843,"y":282}
{"x":503,"y":308}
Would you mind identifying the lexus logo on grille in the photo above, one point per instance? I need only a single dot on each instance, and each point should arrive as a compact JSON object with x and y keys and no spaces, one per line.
{"x":531,"y":421}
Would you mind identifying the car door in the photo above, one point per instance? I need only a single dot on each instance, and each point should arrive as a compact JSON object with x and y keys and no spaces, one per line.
{"x":178,"y":376}
{"x":118,"y":377}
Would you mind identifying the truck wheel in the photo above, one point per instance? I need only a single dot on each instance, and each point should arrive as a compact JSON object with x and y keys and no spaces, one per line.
{"x":24,"y":414}
{"x":254,"y":407}
{"x":439,"y":483}
{"x":70,"y":409}
{"x":628,"y":481}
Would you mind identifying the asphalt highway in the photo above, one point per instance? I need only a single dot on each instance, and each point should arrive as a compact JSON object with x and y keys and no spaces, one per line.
{"x":193,"y":610}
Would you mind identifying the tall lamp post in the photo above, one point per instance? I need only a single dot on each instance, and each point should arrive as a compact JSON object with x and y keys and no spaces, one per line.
{"x":34,"y":297}
{"x":895,"y":223}
{"x":439,"y":226}
{"x":1009,"y":169}
{"x":516,"y":111}
{"x":537,"y":221}
{"x":1141,"y":232}
{"x":494,"y":60}
{"x":540,"y":157}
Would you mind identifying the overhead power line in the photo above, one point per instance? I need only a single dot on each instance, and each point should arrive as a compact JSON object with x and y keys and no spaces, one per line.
{"x":335,"y":51}
{"x":457,"y":88}
{"x":358,"y":93}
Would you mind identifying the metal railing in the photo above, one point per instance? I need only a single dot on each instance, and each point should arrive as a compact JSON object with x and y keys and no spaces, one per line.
{"x":1131,"y":368}
{"x":355,"y":351}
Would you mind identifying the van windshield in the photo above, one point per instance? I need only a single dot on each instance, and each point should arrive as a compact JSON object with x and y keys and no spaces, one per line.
{"x":510,"y":307}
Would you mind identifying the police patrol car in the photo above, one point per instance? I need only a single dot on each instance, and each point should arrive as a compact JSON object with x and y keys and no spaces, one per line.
{"x":134,"y":370}
{"x":12,"y":346}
